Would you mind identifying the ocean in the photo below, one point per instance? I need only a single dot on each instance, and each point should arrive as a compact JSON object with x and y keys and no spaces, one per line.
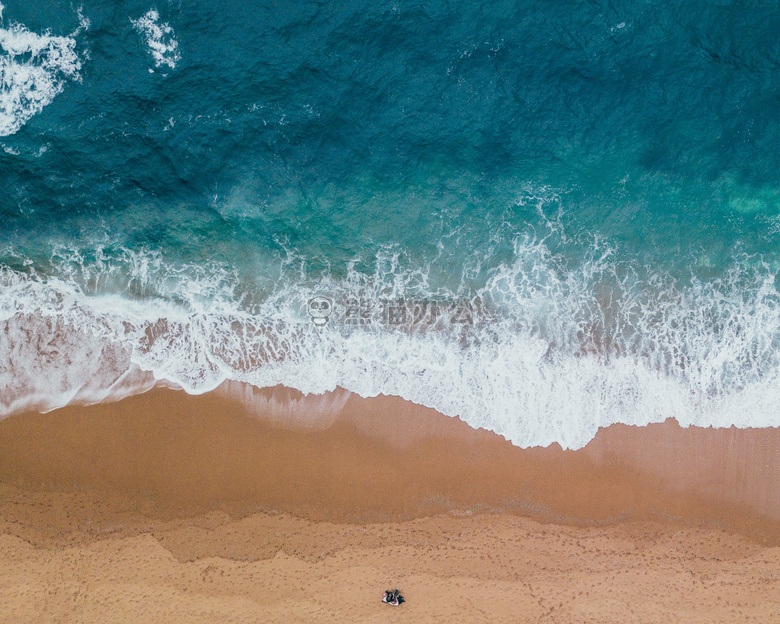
{"x":541,"y":217}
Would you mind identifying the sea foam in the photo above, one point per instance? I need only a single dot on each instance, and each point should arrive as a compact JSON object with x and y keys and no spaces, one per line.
{"x":33,"y":71}
{"x":552,"y":353}
{"x":160,"y":39}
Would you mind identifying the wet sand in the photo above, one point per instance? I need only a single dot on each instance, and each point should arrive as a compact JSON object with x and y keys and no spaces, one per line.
{"x":240,"y":506}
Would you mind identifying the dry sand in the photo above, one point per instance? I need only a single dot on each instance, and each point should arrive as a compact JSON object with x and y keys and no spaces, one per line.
{"x":169,"y":508}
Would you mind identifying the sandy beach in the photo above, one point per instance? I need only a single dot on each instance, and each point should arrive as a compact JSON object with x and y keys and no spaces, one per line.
{"x":301,"y":302}
{"x":240,"y":505}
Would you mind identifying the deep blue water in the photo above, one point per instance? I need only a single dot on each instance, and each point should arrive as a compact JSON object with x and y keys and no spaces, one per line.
{"x":585,"y":194}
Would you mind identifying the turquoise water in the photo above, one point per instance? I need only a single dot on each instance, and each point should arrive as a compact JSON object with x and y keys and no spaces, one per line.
{"x":541,"y":217}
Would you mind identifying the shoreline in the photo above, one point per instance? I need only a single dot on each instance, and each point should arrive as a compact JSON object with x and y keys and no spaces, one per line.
{"x":385,"y":459}
{"x":171,"y":508}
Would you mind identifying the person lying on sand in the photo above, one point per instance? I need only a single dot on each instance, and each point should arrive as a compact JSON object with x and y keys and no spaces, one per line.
{"x":393,"y":598}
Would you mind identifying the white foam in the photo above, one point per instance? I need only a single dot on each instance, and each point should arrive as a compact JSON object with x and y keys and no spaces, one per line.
{"x":49,"y":362}
{"x":159,"y":38}
{"x":33,"y":71}
{"x":557,"y":352}
{"x":84,"y":22}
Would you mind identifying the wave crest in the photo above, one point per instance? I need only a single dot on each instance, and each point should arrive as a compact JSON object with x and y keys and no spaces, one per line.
{"x":33,"y":71}
{"x":552,"y":353}
{"x":160,"y":39}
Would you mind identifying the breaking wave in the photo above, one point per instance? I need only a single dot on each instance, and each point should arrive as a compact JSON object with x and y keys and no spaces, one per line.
{"x":34,"y":69}
{"x":542,"y":352}
{"x":159,"y":38}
